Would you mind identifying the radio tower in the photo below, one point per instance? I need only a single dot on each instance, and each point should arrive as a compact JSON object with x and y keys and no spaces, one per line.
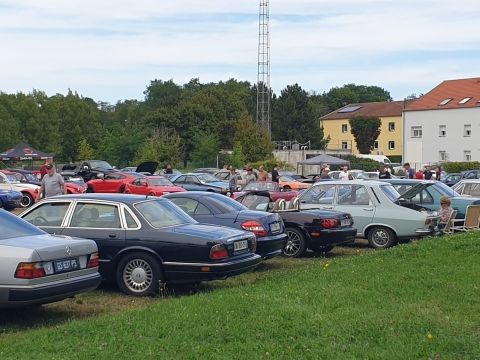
{"x":263,"y":80}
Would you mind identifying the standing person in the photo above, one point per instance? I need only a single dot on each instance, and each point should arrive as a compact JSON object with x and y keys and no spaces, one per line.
{"x":250,"y":176}
{"x":419,"y":175}
{"x":409,"y":172}
{"x":384,"y":174}
{"x":233,"y":183}
{"x":43,"y":169}
{"x":275,"y":174}
{"x":438,"y":173}
{"x":52,"y":184}
{"x":168,"y":169}
{"x":325,"y":173}
{"x":427,"y":174}
{"x":345,"y":174}
{"x":263,"y":176}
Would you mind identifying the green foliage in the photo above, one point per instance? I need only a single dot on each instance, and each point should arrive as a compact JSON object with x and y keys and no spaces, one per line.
{"x":365,"y":130}
{"x":269,"y":164}
{"x":207,"y":147}
{"x":256,"y":143}
{"x":363,"y":164}
{"x":163,"y":146}
{"x":456,"y":167}
{"x":237,"y":159}
{"x":85,"y":151}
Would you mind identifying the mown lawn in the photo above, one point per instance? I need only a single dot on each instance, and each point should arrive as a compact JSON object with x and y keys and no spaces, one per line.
{"x":416,"y":301}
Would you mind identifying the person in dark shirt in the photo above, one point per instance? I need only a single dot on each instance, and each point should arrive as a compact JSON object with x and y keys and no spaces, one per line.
{"x":427,"y":174}
{"x":275,"y":175}
{"x":384,"y":174}
{"x":168,"y":169}
{"x":409,"y":171}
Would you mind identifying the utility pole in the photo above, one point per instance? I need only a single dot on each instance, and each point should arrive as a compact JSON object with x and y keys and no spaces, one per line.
{"x":263,"y":79}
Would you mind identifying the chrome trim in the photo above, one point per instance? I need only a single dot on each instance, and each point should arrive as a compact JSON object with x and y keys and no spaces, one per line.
{"x":255,"y":257}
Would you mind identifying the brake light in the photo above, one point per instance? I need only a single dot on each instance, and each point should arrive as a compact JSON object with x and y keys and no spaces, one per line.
{"x":255,"y":227}
{"x":29,"y":271}
{"x":94,"y":260}
{"x":329,"y":223}
{"x":218,"y":252}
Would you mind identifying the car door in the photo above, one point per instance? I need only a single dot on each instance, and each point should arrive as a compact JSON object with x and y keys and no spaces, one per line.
{"x":356,"y":200}
{"x":139,"y":186}
{"x":49,"y":216}
{"x":318,"y":197}
{"x":100,"y":222}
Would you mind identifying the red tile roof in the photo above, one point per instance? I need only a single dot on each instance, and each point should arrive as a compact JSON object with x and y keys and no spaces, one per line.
{"x":378,"y":109}
{"x":456,"y":90}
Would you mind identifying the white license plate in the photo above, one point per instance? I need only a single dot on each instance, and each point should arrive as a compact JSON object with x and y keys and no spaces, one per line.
{"x":345,"y":222}
{"x":240,"y":245}
{"x":275,"y":227}
{"x":66,"y":265}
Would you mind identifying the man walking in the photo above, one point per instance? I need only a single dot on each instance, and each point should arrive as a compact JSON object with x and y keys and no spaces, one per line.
{"x":52,"y":184}
{"x":275,"y":175}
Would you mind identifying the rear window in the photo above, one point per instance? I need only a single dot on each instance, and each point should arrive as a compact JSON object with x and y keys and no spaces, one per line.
{"x":390,"y":191}
{"x":226,"y":204}
{"x":162,"y":213}
{"x":13,"y":226}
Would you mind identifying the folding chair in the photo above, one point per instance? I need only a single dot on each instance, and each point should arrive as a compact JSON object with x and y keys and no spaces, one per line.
{"x":448,"y":228}
{"x":471,"y":221}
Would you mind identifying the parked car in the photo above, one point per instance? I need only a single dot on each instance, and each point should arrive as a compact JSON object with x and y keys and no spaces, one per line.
{"x":26,"y":176}
{"x":374,"y":208}
{"x":71,"y":177}
{"x":335,"y":174}
{"x":225,"y":175}
{"x":451,"y":179}
{"x":222,"y":210}
{"x":10,"y":199}
{"x":152,"y":185}
{"x":201,"y":182}
{"x":468,"y":188}
{"x":273,"y":188}
{"x":471,"y":174}
{"x":426,"y":194}
{"x":37,"y":268}
{"x":144,"y":242}
{"x":9,"y":181}
{"x":289,"y":183}
{"x":110,"y":182}
{"x":89,"y":169}
{"x":210,"y":171}
{"x":318,"y":230}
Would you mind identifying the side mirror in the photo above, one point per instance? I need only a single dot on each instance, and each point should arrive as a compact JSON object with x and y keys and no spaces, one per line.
{"x":85,"y":167}
{"x":101,"y":176}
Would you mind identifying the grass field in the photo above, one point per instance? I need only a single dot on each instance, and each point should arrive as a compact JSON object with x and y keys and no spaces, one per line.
{"x":415,"y":301}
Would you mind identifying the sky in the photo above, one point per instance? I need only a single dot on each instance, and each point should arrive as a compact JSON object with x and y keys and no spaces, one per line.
{"x":111,"y":50}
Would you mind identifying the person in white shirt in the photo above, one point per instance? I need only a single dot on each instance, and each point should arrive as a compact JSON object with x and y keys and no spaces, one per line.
{"x":344,"y":174}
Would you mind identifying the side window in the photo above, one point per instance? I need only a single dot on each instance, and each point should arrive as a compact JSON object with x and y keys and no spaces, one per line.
{"x":187,"y":205}
{"x":426,"y":197}
{"x":131,"y":223}
{"x":50,"y":214}
{"x":181,"y":180}
{"x":322,"y":194}
{"x":460,"y":189}
{"x":202,"y":210}
{"x":101,"y":216}
{"x":192,"y":180}
{"x":471,"y":175}
{"x":353,"y":195}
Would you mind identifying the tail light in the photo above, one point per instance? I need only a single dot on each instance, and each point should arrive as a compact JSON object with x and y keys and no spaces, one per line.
{"x":218,"y":252}
{"x":255,"y":227}
{"x":29,"y":271}
{"x":329,"y":223}
{"x":93,"y":261}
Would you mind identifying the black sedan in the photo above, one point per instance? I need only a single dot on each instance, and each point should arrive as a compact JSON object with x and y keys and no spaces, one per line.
{"x":318,"y":230}
{"x":144,"y":242}
{"x":222,"y":210}
{"x":201,"y":182}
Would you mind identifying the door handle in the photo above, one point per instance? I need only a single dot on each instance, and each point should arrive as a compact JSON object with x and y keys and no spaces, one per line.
{"x":367,"y":209}
{"x":327,"y":207}
{"x":112,"y":236}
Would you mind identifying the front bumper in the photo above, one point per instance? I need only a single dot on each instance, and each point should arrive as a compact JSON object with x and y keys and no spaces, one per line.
{"x":331,"y":237}
{"x":271,"y":246}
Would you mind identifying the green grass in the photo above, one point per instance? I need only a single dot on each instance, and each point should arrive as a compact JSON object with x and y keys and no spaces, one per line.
{"x":415,"y":301}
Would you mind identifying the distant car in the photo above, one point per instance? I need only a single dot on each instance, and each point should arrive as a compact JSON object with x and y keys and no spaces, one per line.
{"x":426,"y":194}
{"x":144,"y":242}
{"x":162,"y":172}
{"x":468,"y":188}
{"x":89,"y":169}
{"x":10,"y":181}
{"x":110,"y":182}
{"x":152,"y":185}
{"x":37,"y":268}
{"x":210,"y":171}
{"x":10,"y":199}
{"x":451,"y":179}
{"x":289,"y":183}
{"x":26,"y":176}
{"x":221,"y":210}
{"x":201,"y":182}
{"x":374,"y":207}
{"x":470,"y":174}
{"x":129,"y":169}
{"x":273,"y":188}
{"x":335,"y":174}
{"x":318,"y":230}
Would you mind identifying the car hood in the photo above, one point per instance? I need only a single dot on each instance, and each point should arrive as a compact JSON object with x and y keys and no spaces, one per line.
{"x":19,"y":185}
{"x":147,"y":166}
{"x":168,"y":188}
{"x":211,"y":232}
{"x":415,"y":189}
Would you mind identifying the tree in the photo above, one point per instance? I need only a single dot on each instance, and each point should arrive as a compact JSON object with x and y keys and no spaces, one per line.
{"x":238,"y":158}
{"x":255,"y":142}
{"x":164,"y":146}
{"x":207,"y":147}
{"x":365,"y":130}
{"x":85,"y":151}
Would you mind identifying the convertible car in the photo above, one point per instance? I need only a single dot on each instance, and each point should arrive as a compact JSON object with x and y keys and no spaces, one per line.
{"x":10,"y":181}
{"x":273,"y":188}
{"x":144,"y":242}
{"x":10,"y":199}
{"x":152,"y":185}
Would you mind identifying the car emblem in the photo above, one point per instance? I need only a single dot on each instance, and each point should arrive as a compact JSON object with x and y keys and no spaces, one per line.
{"x":68,"y":250}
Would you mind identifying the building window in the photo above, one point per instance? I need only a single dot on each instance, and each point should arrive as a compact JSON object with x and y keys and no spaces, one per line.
{"x":416,"y":132}
{"x":467,"y":155}
{"x":442,"y":155}
{"x":465,"y":100}
{"x":375,"y":144}
{"x":391,"y":126}
{"x":467,"y":130}
{"x":391,"y":145}
{"x":344,"y":145}
{"x":445,"y":102}
{"x":442,"y":130}
{"x":344,"y":128}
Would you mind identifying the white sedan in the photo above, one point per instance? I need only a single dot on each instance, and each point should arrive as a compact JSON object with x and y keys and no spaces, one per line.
{"x":374,"y":208}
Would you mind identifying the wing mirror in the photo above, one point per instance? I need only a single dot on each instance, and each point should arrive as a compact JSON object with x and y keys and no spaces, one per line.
{"x":101,"y":176}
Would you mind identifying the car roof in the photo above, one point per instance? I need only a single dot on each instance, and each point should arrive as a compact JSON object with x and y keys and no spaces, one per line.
{"x":124,"y":198}
{"x":469,"y":181}
{"x":355,"y":181}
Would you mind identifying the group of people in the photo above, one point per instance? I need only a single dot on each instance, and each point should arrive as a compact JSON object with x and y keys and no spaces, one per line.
{"x":262,"y":175}
{"x":426,"y":174}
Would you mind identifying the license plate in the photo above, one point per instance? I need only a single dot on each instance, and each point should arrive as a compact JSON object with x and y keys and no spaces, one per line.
{"x":345,"y":222}
{"x":240,"y":245}
{"x":65,"y":265}
{"x":275,"y":227}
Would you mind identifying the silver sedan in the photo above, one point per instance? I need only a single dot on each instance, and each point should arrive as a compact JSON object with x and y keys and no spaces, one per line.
{"x":38,"y":268}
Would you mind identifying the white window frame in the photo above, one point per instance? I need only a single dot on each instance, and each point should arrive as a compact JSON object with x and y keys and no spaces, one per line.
{"x":344,"y":145}
{"x":467,"y":155}
{"x":442,"y":130}
{"x":416,"y":132}
{"x":391,"y":126}
{"x":442,"y":155}
{"x":344,"y":128}
{"x":467,"y":130}
{"x":390,"y":143}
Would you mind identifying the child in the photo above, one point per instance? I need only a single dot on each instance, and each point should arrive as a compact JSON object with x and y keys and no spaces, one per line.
{"x":445,"y":210}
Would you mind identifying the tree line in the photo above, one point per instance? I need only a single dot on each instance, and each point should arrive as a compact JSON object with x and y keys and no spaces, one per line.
{"x":179,"y":124}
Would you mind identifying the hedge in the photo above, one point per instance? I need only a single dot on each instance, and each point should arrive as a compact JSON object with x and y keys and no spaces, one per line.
{"x":456,"y":167}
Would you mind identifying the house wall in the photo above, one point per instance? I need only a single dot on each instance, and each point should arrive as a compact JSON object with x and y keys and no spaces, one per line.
{"x":333,"y":128}
{"x":455,"y":142}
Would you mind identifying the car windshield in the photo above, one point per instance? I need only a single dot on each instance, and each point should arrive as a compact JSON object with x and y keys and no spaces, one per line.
{"x":74,"y":179}
{"x":159,"y":182}
{"x":287,"y":178}
{"x":262,"y":186}
{"x":207,"y":178}
{"x":30,"y":177}
{"x":225,"y":203}
{"x":162,"y":213}
{"x":256,"y":202}
{"x":13,"y":227}
{"x":100,"y":164}
{"x":390,"y":191}
{"x":444,"y":189}
{"x":13,"y":178}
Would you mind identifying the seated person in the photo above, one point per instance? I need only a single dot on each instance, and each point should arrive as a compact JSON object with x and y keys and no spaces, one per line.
{"x":445,"y":211}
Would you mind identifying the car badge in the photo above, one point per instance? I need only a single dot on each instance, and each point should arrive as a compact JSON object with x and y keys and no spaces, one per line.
{"x":68,"y":250}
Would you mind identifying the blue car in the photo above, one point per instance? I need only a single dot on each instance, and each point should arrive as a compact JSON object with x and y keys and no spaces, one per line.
{"x":10,"y":199}
{"x":201,"y":182}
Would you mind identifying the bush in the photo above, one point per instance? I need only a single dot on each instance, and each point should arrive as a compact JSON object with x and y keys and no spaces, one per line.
{"x":456,"y":167}
{"x":363,"y":164}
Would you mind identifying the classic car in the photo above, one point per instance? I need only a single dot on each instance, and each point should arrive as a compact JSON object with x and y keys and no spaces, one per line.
{"x":152,"y":185}
{"x":74,"y":182}
{"x":9,"y":181}
{"x":468,"y":188}
{"x":318,"y":230}
{"x":289,"y":183}
{"x":26,"y":176}
{"x":38,"y":268}
{"x":111,"y":182}
{"x":201,"y":182}
{"x":145,"y":242}
{"x":470,"y":174}
{"x":221,"y":210}
{"x":426,"y":194}
{"x":10,"y":199}
{"x":451,"y":179}
{"x":273,"y":188}
{"x":89,"y":169}
{"x":374,"y":208}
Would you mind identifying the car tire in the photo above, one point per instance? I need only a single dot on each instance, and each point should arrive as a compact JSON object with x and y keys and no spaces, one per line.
{"x":90,"y":189}
{"x":27,"y":200}
{"x":138,"y":274}
{"x":295,"y":245}
{"x":380,"y":237}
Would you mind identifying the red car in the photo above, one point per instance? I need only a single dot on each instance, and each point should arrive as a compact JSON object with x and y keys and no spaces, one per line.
{"x":275,"y":191}
{"x":110,"y":182}
{"x":152,"y":185}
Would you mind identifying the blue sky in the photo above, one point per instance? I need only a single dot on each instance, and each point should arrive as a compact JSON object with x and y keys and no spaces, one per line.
{"x":111,"y":50}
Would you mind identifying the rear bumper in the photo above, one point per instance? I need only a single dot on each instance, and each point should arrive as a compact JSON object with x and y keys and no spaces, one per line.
{"x":178,"y":272}
{"x":271,"y":246}
{"x":47,"y":293}
{"x":331,"y":237}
